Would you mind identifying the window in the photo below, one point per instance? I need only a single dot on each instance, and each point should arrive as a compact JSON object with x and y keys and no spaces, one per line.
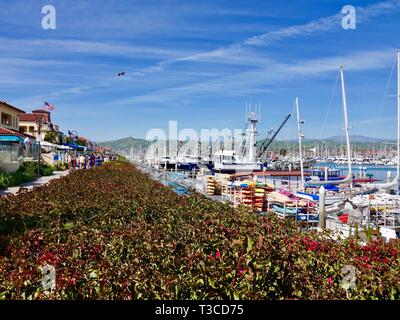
{"x":31,"y":129}
{"x":6,"y":119}
{"x":23,"y":129}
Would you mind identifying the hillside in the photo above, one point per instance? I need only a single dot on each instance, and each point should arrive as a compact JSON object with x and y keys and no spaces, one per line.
{"x":126,"y":143}
{"x":361,"y":142}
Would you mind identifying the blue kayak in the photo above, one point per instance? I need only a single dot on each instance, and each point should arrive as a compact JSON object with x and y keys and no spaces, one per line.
{"x":311,"y":217}
{"x":286,"y":210}
{"x":313,"y":196}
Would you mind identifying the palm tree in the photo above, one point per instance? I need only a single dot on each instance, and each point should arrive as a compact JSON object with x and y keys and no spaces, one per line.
{"x":52,"y":137}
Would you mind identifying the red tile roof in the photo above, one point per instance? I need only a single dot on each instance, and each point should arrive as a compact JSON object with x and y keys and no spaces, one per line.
{"x":34,"y":117}
{"x":10,"y":106}
{"x":41,"y":111}
{"x":9,"y":132}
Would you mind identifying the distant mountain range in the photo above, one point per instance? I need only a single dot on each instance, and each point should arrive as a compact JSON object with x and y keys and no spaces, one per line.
{"x":130,"y":142}
{"x":126,"y":143}
{"x":341,"y":139}
{"x":358,"y":138}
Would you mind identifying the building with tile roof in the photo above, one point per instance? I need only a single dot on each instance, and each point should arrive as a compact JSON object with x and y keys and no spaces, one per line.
{"x":11,"y":140}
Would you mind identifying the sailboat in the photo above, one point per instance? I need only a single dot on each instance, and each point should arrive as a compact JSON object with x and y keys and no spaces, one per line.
{"x":348,"y":178}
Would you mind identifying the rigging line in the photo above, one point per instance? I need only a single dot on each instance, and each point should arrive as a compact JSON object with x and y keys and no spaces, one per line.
{"x":387,"y":87}
{"x":330,"y":105}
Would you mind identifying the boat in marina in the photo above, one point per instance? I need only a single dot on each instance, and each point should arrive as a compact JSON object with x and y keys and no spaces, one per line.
{"x":188,"y":162}
{"x":167,"y":162}
{"x":228,"y":161}
{"x":324,"y":174}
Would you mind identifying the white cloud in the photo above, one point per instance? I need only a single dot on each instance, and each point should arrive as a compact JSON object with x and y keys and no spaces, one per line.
{"x":267,"y":77}
{"x":35,"y":46}
{"x":233,"y":54}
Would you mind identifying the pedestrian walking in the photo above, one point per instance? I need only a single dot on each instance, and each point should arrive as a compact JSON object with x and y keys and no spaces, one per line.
{"x":82,"y":161}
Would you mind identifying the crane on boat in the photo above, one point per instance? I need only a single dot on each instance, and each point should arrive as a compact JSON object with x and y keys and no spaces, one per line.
{"x":267,"y":144}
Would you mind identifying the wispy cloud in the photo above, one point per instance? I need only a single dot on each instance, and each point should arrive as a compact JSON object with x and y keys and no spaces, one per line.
{"x":35,"y":46}
{"x":363,"y":14}
{"x":269,"y":76}
{"x":233,"y":53}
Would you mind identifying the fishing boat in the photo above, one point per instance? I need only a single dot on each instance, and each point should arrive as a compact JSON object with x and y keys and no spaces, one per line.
{"x":228,"y":161}
{"x":188,"y":162}
{"x":167,"y":162}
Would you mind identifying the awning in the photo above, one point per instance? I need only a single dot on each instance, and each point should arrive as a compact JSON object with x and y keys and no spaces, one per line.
{"x":64,"y":148}
{"x":10,"y":139}
{"x":76,"y":147}
{"x":48,"y":144}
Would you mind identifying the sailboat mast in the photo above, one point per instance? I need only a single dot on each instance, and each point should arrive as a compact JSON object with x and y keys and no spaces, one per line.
{"x":398,"y":122}
{"x":300,"y":137}
{"x":346,"y":121}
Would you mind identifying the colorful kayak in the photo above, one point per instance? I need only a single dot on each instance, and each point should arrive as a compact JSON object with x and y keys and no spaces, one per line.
{"x":285,"y":210}
{"x":277,"y":196}
{"x":308,"y":196}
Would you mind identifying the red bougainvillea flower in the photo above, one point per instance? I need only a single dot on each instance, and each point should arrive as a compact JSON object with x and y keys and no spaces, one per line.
{"x":330,"y":280}
{"x":385,"y":260}
{"x":72,"y":281}
{"x":241,"y":272}
{"x":48,"y":258}
{"x":310,"y":244}
{"x":218,"y":254}
{"x":96,"y":250}
{"x":139,"y":210}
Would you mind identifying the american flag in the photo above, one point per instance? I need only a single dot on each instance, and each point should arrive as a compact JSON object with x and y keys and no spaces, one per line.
{"x":49,"y":106}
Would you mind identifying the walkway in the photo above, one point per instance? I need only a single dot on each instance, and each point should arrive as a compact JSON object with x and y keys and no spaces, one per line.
{"x":35,"y":183}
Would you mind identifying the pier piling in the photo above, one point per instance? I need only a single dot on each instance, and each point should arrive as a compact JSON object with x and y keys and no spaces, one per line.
{"x":322,"y":213}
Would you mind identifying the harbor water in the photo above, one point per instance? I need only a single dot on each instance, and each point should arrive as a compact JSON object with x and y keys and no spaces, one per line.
{"x":378,"y":172}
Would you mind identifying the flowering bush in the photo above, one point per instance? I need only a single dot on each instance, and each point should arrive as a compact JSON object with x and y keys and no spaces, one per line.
{"x":113,"y":233}
{"x":26,"y":173}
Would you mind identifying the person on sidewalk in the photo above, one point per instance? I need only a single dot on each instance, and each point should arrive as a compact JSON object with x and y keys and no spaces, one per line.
{"x":70,"y":162}
{"x":82,"y":161}
{"x":92,"y":160}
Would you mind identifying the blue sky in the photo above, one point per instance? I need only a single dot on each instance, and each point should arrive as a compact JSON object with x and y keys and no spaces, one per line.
{"x":200,"y":62}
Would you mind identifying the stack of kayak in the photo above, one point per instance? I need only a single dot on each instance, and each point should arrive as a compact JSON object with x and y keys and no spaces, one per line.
{"x":289,"y":205}
{"x":253,"y":195}
{"x":210,"y":185}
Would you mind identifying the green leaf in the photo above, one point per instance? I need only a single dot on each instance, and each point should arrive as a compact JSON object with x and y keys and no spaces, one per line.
{"x":68,"y":225}
{"x":250,"y":243}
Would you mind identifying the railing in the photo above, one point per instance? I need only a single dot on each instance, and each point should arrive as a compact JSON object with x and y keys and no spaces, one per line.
{"x":10,"y":152}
